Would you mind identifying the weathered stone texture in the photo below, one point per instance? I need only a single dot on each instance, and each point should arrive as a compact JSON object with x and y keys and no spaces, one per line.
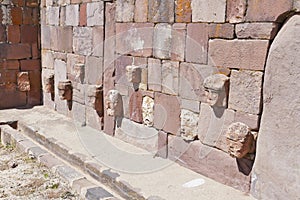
{"x":208,"y":11}
{"x":256,"y":30}
{"x":134,"y":38}
{"x":23,"y":81}
{"x":170,"y":77}
{"x":267,"y":10}
{"x":94,"y":13}
{"x":178,"y":41}
{"x":235,"y":12}
{"x":141,"y":11}
{"x":154,"y":74}
{"x":278,"y":142}
{"x":94,"y":70}
{"x":98,"y":41}
{"x":196,"y":43}
{"x":135,"y":107}
{"x":245,"y":91}
{"x":191,"y":81}
{"x":221,"y":31}
{"x":52,"y":16}
{"x":183,"y":11}
{"x":167,"y":113}
{"x":162,"y":41}
{"x":124,"y":10}
{"x":161,"y":11}
{"x":72,"y":15}
{"x":189,"y":125}
{"x":82,"y":40}
{"x":243,"y":54}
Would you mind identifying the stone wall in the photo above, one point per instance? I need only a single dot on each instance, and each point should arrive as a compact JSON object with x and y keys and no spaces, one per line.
{"x":160,"y":58}
{"x":20,"y":66}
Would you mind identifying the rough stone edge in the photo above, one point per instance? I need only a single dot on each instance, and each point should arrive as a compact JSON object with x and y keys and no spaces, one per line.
{"x":25,"y":145}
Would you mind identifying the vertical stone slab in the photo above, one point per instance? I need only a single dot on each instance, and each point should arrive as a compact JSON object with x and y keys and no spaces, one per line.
{"x":170,"y":77}
{"x":161,"y":11}
{"x":141,"y":11}
{"x":162,"y":41}
{"x":135,"y":107}
{"x":95,"y":15}
{"x":196,"y":43}
{"x":154,"y":74}
{"x":167,"y":113}
{"x":276,"y":169}
{"x":178,"y":41}
{"x":109,"y":60}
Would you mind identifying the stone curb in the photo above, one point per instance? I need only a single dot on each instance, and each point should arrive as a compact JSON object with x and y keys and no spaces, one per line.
{"x":75,"y":179}
{"x":81,"y":161}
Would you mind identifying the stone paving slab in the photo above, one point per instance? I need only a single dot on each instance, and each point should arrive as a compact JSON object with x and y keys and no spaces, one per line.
{"x":132,"y":172}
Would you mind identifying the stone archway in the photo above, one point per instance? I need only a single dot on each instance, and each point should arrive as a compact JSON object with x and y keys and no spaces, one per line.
{"x":277,"y":166}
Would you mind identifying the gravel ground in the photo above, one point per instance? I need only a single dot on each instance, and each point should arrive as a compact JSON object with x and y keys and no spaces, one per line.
{"x":22,"y":177}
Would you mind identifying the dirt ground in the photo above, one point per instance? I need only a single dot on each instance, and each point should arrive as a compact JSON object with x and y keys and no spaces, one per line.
{"x":22,"y":177}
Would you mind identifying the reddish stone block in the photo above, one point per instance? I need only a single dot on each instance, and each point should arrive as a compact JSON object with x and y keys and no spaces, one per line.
{"x":183,"y":11}
{"x":178,"y":41}
{"x":167,"y":113}
{"x":30,"y":64}
{"x":121,"y":64}
{"x":266,"y":10}
{"x":29,"y":34}
{"x":135,"y":106}
{"x":257,"y":30}
{"x":209,"y":162}
{"x":221,"y":31}
{"x":8,"y":76}
{"x":35,"y":51}
{"x":27,"y":15}
{"x":162,"y":150}
{"x":16,"y":15}
{"x":2,"y":33}
{"x":197,"y":43}
{"x":82,"y":15}
{"x":242,"y":54}
{"x":141,"y":11}
{"x":15,"y":51}
{"x":235,"y":12}
{"x":11,"y":64}
{"x":13,"y":98}
{"x":13,"y":33}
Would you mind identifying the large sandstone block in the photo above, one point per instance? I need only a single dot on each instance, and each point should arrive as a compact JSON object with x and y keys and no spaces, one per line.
{"x":221,"y":31}
{"x":98,"y":41}
{"x":245,"y":91}
{"x":208,"y":11}
{"x":167,"y":113}
{"x":72,"y":15}
{"x":124,"y":10}
{"x":162,"y":41}
{"x":265,"y":10}
{"x":135,"y":106}
{"x":276,"y":169}
{"x":15,"y":51}
{"x":65,"y":41}
{"x":242,"y":54}
{"x":94,"y":12}
{"x":257,"y":30}
{"x":134,"y":38}
{"x":52,"y":16}
{"x":82,"y":40}
{"x":161,"y":11}
{"x":208,"y":161}
{"x":170,"y":77}
{"x":94,"y":70}
{"x":196,"y":43}
{"x":191,"y":77}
